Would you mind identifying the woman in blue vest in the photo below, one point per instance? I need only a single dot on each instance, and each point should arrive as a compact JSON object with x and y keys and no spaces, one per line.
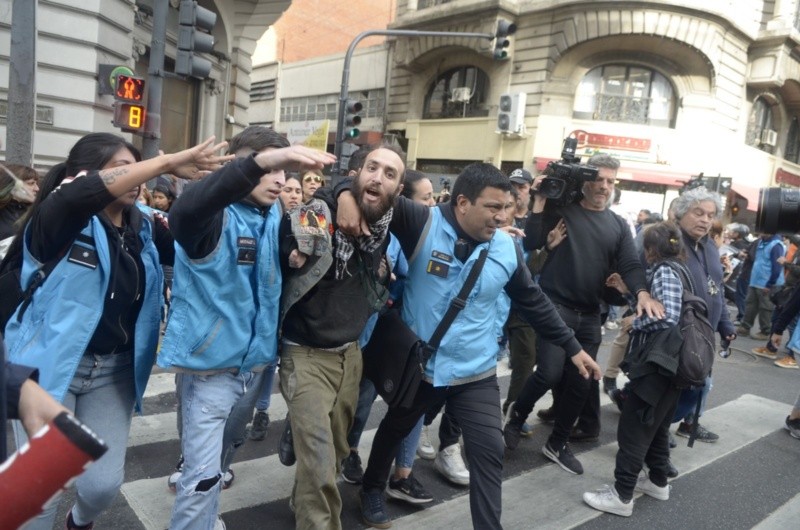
{"x":92,"y":327}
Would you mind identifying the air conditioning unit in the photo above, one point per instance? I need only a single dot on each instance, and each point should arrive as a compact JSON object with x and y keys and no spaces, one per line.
{"x":511,"y":113}
{"x":461,"y":94}
{"x":769,"y":137}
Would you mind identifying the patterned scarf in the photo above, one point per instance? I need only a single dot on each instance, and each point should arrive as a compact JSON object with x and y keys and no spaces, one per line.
{"x":345,"y":244}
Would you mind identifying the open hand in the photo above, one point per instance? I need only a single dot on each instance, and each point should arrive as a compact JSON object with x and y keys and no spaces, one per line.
{"x":198,"y":161}
{"x":556,"y":235}
{"x":586,"y":365}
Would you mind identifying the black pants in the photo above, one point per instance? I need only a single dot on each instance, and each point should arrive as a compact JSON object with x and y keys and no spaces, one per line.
{"x":449,"y":431}
{"x":476,"y":408}
{"x":640,"y":443}
{"x":555,"y":370}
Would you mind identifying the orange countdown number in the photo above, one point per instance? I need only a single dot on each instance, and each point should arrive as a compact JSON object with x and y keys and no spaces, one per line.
{"x":135,"y":117}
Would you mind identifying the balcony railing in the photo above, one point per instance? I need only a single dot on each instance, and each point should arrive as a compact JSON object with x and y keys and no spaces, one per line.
{"x":422,"y":4}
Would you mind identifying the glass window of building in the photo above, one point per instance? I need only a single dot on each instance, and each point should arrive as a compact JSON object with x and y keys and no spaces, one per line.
{"x":761,"y":132}
{"x":792,"y":151}
{"x":625,"y":93}
{"x":457,"y":93}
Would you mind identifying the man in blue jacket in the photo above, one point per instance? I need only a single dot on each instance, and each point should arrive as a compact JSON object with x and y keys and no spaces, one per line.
{"x":443,"y":244}
{"x":767,"y":272}
{"x":223,"y":321}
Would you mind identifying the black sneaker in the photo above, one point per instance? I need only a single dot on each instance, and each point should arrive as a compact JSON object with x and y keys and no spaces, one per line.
{"x":703,"y":434}
{"x":352,"y":472}
{"x":547,"y":415}
{"x":579,"y":435}
{"x":609,"y":384}
{"x":672,"y":471}
{"x":512,"y":430}
{"x":373,"y":509}
{"x":286,"y":445}
{"x":409,"y":490}
{"x":258,"y":431}
{"x":563,"y":458}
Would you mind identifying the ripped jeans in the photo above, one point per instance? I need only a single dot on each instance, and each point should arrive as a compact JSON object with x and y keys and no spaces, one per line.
{"x":206,"y":403}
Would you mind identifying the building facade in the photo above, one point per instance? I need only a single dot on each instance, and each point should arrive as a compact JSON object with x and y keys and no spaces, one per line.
{"x":673,"y":88}
{"x":74,"y":37}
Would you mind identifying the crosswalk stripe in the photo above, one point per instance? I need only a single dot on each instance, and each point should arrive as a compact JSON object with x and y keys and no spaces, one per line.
{"x":784,"y":517}
{"x":258,"y":481}
{"x":744,"y":420}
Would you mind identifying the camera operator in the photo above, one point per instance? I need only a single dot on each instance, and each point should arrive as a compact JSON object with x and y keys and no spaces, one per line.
{"x":594,"y":242}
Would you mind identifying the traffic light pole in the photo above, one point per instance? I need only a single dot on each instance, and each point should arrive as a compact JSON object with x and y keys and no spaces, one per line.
{"x":338,"y":171}
{"x":155,"y":80}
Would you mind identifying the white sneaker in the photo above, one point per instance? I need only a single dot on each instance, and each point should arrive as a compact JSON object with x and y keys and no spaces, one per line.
{"x":220,"y":524}
{"x":172,"y":481}
{"x":606,"y":499}
{"x":450,"y":464}
{"x":425,"y":449}
{"x":643,"y":485}
{"x":610,"y":324}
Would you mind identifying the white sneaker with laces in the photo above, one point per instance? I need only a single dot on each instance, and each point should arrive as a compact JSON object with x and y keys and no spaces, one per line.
{"x":220,"y":524}
{"x":643,"y":485}
{"x":425,"y":448}
{"x":606,"y":499}
{"x":450,"y":464}
{"x":172,"y":481}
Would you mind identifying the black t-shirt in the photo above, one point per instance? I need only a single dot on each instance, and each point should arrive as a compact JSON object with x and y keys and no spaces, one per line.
{"x":597,"y":244}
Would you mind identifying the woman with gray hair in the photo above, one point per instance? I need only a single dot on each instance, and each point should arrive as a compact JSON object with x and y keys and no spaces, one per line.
{"x":695,"y":212}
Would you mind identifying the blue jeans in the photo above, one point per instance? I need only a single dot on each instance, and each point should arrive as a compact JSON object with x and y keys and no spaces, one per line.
{"x":687,"y":402}
{"x":102,"y":395}
{"x":266,"y":388}
{"x":206,"y":402}
{"x":241,"y":414}
{"x":408,"y":447}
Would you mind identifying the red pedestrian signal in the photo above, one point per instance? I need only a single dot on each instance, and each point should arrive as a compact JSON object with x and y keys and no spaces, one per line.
{"x":129,"y":88}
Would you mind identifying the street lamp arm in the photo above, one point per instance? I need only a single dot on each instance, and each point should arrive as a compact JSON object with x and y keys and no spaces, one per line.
{"x":343,"y":95}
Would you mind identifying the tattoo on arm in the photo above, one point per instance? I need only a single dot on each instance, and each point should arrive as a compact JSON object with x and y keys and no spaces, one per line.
{"x":109,"y":176}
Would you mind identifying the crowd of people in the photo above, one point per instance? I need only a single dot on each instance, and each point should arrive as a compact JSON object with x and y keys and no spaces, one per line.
{"x":239,"y":265}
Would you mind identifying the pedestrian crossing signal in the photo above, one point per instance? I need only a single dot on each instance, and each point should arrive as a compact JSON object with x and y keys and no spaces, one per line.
{"x":129,"y":88}
{"x":129,"y":117}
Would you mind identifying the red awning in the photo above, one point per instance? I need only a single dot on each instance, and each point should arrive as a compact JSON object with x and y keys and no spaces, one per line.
{"x":663,"y":178}
{"x":751,"y":194}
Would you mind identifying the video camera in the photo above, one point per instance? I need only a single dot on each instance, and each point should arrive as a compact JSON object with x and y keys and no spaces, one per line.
{"x":565,"y":178}
{"x":778,"y":211}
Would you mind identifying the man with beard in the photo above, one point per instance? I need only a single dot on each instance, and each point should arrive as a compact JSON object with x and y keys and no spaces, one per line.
{"x":330,"y":289}
{"x":592,"y":243}
{"x":444,"y":243}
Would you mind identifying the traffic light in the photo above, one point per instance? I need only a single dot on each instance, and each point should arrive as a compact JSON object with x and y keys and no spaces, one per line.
{"x":351,"y":118}
{"x":194,"y":37}
{"x":129,"y":113}
{"x":501,"y":41}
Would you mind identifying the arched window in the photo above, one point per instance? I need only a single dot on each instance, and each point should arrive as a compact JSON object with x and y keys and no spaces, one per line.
{"x":792,"y":151}
{"x":457,"y":93}
{"x":625,"y":93}
{"x":761,"y":132}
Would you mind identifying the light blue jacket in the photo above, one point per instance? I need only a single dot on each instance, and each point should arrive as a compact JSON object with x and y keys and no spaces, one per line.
{"x":65,"y":311}
{"x":224,"y":310}
{"x":468,"y":351}
{"x":764,"y":268}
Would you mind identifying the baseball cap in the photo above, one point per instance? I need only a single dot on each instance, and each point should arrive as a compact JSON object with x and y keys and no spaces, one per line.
{"x":521,"y":176}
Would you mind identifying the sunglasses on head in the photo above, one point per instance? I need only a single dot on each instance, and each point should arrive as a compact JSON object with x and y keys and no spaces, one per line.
{"x":313,"y":178}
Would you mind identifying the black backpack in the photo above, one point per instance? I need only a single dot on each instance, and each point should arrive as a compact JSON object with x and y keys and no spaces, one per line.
{"x":696,"y":355}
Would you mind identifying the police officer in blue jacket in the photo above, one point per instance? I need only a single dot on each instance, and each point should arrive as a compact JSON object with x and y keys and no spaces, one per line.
{"x":443,"y":244}
{"x":223,"y":323}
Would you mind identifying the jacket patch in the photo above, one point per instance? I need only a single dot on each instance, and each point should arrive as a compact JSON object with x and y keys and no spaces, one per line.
{"x":438,"y":269}
{"x":442,"y":256}
{"x":247,"y":250}
{"x":83,"y":256}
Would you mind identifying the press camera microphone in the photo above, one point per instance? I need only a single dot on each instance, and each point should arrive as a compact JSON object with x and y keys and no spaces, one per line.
{"x":34,"y":475}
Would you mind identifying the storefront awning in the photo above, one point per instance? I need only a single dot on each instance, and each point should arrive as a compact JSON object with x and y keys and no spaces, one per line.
{"x":751,"y":194}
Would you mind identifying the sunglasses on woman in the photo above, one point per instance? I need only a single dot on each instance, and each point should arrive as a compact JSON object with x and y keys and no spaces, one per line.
{"x":313,"y":178}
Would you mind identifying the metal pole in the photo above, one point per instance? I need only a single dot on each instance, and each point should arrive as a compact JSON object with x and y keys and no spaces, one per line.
{"x":337,"y":170}
{"x":155,"y":80}
{"x":21,"y":120}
